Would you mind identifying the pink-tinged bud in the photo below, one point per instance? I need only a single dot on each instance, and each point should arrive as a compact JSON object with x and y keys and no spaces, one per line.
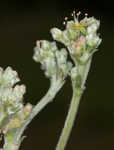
{"x":28,"y":107}
{"x":11,"y":102}
{"x":80,"y":42}
{"x":38,"y":43}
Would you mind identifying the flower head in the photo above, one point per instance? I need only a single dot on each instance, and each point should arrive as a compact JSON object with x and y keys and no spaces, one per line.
{"x":53,"y":61}
{"x":10,"y":96}
{"x":80,"y":37}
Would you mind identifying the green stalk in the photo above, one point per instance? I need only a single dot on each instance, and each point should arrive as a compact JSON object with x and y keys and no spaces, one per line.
{"x":70,"y":119}
{"x":72,"y":113}
{"x":53,"y":90}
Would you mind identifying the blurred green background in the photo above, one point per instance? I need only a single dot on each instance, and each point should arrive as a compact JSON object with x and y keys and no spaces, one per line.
{"x":24,"y":22}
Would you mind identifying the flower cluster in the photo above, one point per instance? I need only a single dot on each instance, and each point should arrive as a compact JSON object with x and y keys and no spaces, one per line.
{"x":80,"y":37}
{"x":11,"y":96}
{"x":53,"y":61}
{"x":81,"y":40}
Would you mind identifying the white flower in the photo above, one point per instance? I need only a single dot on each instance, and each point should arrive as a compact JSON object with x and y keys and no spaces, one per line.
{"x":92,"y":29}
{"x":9,"y":77}
{"x":11,"y":97}
{"x":45,"y":45}
{"x":93,"y":40}
{"x":56,"y":33}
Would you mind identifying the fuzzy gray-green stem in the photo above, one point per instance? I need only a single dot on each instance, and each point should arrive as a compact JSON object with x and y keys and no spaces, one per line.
{"x":70,"y":119}
{"x":54,"y":88}
{"x":72,"y":113}
{"x":14,"y":144}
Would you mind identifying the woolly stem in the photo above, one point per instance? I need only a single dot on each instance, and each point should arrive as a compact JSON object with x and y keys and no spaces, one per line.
{"x":72,"y":113}
{"x":14,"y":144}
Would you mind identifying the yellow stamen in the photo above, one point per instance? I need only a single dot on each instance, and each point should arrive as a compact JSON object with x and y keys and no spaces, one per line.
{"x":79,"y":26}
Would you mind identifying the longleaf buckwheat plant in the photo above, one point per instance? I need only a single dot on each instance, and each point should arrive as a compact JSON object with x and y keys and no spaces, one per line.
{"x":81,"y":40}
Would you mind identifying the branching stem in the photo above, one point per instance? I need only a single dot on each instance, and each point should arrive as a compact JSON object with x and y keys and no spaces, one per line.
{"x":54,"y":88}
